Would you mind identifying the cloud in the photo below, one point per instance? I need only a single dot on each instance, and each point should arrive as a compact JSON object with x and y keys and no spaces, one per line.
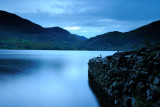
{"x":72,"y":28}
{"x":98,"y":30}
{"x":84,"y":31}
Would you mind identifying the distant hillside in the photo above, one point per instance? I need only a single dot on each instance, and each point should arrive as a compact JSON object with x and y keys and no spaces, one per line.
{"x":19,"y":33}
{"x":124,"y":41}
{"x":63,"y":35}
{"x":12,"y":22}
{"x":80,"y":37}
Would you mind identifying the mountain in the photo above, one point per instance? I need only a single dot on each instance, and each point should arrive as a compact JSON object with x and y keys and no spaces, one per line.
{"x":20,"y":33}
{"x":80,"y":37}
{"x":63,"y":35}
{"x":12,"y":22}
{"x":124,"y":41}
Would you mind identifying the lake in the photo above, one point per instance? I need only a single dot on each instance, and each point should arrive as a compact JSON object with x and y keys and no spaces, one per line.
{"x":36,"y":78}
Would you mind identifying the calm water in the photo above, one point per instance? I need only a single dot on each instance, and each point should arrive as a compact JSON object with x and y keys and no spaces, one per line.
{"x":46,"y":78}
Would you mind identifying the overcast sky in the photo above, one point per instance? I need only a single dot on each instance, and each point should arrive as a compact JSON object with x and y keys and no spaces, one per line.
{"x":86,"y":17}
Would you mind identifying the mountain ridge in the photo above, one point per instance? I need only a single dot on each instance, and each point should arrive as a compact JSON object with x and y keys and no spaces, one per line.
{"x":125,"y":40}
{"x":20,"y":29}
{"x":20,"y":33}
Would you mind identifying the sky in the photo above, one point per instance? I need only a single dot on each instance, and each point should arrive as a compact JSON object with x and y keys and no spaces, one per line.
{"x":86,"y":17}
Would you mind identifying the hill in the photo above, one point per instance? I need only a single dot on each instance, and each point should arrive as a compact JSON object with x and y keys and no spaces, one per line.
{"x":20,"y":33}
{"x":80,"y":37}
{"x":124,"y":41}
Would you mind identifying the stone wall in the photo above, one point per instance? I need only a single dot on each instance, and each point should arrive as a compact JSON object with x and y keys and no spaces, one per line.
{"x":130,"y":78}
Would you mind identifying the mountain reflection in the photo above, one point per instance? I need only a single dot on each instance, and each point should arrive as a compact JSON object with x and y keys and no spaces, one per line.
{"x":14,"y":66}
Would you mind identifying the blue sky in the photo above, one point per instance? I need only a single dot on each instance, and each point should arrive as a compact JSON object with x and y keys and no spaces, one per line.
{"x":86,"y":17}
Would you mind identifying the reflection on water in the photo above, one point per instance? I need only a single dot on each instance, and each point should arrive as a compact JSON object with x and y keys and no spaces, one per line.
{"x":103,"y":99}
{"x":46,"y":78}
{"x":15,"y":66}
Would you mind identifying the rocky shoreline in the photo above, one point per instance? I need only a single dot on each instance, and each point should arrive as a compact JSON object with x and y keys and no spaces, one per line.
{"x":131,"y":79}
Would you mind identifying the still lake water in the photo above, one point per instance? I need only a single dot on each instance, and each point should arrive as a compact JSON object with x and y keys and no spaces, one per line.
{"x":35,"y":78}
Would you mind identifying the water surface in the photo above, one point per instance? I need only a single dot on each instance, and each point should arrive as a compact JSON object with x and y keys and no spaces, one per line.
{"x":34,"y":78}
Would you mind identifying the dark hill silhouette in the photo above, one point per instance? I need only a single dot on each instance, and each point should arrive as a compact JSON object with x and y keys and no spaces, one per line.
{"x":20,"y":29}
{"x":80,"y":37}
{"x":63,"y":35}
{"x":20,"y":33}
{"x":9,"y":21}
{"x":58,"y":30}
{"x":124,"y":41}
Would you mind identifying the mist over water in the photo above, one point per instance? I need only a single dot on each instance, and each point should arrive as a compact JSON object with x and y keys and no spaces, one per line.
{"x":33,"y":78}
